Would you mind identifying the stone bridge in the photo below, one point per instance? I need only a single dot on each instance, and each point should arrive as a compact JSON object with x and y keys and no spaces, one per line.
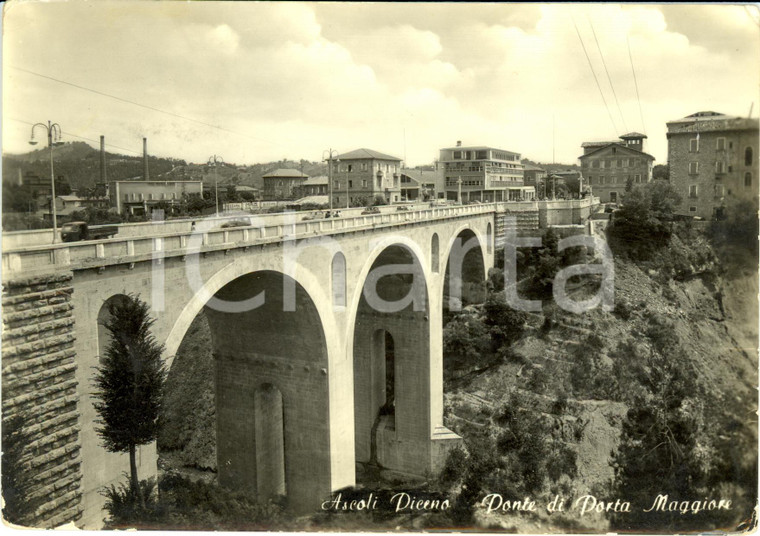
{"x":326,"y":336}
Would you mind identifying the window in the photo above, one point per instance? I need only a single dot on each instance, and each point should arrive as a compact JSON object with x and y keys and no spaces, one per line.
{"x":595,"y":164}
{"x":748,"y":156}
{"x":620,"y":162}
{"x":720,"y":167}
{"x":694,"y":145}
{"x":350,"y":184}
{"x":637,"y":179}
{"x":747,"y":179}
{"x":693,"y":168}
{"x":126,"y":197}
{"x":693,"y":190}
{"x":601,"y":179}
{"x":457,"y":155}
{"x":720,"y":144}
{"x":364,"y":166}
{"x":692,"y":209}
{"x":481,"y":155}
{"x":350,"y":168}
{"x":719,"y":190}
{"x":364,"y":183}
{"x":601,"y":164}
{"x":591,"y":179}
{"x":142,"y":197}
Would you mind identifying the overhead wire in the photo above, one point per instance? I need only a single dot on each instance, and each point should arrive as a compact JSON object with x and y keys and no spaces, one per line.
{"x":81,"y":137}
{"x":636,"y":83}
{"x":599,"y":87}
{"x":146,"y":106}
{"x":609,"y":78}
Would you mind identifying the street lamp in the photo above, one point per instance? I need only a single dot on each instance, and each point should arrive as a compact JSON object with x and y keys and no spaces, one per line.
{"x":54,"y":139}
{"x":213,"y":161}
{"x":327,"y":156}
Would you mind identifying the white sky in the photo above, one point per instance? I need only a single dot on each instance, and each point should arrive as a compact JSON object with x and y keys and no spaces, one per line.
{"x":293,"y":79}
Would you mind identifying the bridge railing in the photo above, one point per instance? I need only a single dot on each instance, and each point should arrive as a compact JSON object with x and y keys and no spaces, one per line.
{"x":130,"y":249}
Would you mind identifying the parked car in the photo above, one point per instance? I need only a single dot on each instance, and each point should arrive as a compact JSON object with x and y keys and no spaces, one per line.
{"x":371,"y":210}
{"x":74,"y":231}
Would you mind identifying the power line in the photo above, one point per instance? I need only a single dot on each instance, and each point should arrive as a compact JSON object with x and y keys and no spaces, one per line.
{"x":81,"y":137}
{"x":614,"y":126}
{"x":635,"y":82}
{"x":147,"y":107}
{"x":609,"y":78}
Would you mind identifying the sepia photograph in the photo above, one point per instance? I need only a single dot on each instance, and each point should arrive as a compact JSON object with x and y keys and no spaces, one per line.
{"x":357,"y":267}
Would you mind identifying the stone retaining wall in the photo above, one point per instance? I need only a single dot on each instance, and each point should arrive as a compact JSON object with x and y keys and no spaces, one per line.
{"x":39,"y":385}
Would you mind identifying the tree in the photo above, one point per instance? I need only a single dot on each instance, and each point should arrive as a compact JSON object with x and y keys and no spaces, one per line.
{"x":129,"y":382}
{"x":661,"y":171}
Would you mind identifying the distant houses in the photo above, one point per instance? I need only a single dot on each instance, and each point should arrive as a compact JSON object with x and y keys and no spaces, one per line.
{"x":281,"y":184}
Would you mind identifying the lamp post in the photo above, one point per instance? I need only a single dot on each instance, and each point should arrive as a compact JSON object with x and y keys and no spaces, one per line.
{"x":327,"y":156}
{"x":54,"y":138}
{"x":213,"y":161}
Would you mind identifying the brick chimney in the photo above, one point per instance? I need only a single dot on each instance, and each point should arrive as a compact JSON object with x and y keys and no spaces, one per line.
{"x":459,"y":143}
{"x":146,"y":175}
{"x":102,"y":159}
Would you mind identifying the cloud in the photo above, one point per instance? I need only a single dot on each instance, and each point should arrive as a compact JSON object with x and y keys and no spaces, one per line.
{"x":295,"y":78}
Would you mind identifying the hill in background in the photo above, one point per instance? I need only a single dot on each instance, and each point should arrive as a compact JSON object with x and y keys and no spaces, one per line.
{"x":79,"y":163}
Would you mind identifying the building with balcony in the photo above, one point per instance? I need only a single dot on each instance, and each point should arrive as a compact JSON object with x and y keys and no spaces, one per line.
{"x":138,"y":197}
{"x":609,"y":166}
{"x":713,"y":162}
{"x":363,"y":174}
{"x":483,"y":174}
{"x":281,"y":184}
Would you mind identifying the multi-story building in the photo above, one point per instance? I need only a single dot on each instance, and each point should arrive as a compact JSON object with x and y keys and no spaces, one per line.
{"x":713,"y":162}
{"x":610,"y":166}
{"x":281,"y":184}
{"x":363,"y":174}
{"x":137,"y":197}
{"x":483,"y":174}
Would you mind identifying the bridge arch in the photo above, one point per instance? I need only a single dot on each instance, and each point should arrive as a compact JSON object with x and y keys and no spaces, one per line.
{"x":391,"y":359}
{"x":466,"y":268}
{"x":103,"y":335}
{"x":274,"y":419}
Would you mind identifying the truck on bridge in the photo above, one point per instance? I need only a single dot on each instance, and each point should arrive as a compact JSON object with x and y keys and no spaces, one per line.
{"x":78,"y":230}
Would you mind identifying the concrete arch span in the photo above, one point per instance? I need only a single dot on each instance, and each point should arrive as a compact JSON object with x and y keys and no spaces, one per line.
{"x":466,"y":269}
{"x":391,"y":358}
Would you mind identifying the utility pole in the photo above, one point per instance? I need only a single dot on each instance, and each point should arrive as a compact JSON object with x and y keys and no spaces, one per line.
{"x":328,"y":155}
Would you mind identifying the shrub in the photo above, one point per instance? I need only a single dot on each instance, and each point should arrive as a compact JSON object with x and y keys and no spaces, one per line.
{"x":622,"y":309}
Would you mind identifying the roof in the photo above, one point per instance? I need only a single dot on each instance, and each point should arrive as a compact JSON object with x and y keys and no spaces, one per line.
{"x":315,"y":181}
{"x":361,"y":154}
{"x":632,"y":135}
{"x":242,"y":188}
{"x":478,"y":148}
{"x":419,"y":175}
{"x":598,"y":143}
{"x":286,"y":173}
{"x":620,"y":145}
{"x":710,"y":122}
{"x":531,"y":167}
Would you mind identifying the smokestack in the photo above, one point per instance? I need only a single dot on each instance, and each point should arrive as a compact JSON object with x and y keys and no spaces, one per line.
{"x":102,"y":159}
{"x":146,"y":176}
{"x":459,"y":143}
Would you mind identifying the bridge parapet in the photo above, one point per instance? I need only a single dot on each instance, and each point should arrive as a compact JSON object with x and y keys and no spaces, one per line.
{"x":87,"y":254}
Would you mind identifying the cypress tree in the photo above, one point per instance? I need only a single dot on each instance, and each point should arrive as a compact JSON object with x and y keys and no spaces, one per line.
{"x":129,"y":382}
